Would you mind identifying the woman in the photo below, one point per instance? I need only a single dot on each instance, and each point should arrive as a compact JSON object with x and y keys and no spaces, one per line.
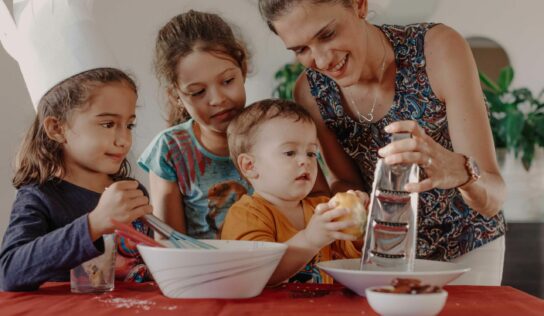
{"x":364,"y":82}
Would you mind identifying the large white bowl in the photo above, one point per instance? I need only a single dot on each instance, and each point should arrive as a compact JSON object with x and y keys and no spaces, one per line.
{"x":347,"y":272}
{"x":237,"y":269}
{"x":394,"y":304}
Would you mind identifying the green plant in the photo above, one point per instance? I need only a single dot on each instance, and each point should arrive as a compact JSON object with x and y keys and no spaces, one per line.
{"x":286,"y":77}
{"x":516,"y":116}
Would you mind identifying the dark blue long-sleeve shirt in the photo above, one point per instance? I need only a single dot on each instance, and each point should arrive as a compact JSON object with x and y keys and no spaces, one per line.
{"x":48,"y":235}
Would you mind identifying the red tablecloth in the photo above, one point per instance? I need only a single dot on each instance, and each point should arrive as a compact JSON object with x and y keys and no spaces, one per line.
{"x":293,"y":299}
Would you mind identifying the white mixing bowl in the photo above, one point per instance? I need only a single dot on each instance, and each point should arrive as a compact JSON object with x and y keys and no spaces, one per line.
{"x":237,"y":269}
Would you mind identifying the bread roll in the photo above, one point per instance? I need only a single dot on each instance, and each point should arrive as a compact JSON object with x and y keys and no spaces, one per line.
{"x":357,"y":212}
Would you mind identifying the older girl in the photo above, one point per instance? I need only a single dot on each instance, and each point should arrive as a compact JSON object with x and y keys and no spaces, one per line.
{"x":203,"y":67}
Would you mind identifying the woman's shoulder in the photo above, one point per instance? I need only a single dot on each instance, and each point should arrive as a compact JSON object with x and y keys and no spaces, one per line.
{"x":443,"y":36}
{"x":405,"y":34}
{"x":303,"y":92}
{"x":443,"y":43}
{"x":312,"y":87}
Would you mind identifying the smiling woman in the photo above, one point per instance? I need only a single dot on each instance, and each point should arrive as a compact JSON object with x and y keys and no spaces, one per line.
{"x":364,"y":82}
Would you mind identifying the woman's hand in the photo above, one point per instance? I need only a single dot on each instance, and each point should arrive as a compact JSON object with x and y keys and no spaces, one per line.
{"x":323,"y":229}
{"x":445,"y":169}
{"x":123,"y":202}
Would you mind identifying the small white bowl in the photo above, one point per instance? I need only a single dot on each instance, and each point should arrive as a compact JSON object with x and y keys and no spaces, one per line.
{"x":237,"y":269}
{"x":395,"y":304}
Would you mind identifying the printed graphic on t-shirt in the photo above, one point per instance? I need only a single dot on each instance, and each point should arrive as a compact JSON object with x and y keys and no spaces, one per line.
{"x":209,"y":184}
{"x":220,"y":196}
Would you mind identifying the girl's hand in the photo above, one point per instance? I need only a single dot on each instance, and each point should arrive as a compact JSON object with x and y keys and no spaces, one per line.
{"x":445,"y":169}
{"x":323,"y":229}
{"x":123,"y":202}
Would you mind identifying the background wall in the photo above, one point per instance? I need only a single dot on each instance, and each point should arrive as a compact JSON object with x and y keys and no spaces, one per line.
{"x":130,"y":26}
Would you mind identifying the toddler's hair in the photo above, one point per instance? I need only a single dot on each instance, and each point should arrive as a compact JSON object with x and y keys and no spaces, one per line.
{"x":183,"y":34}
{"x":40,"y":158}
{"x":271,"y":10}
{"x":243,"y":127}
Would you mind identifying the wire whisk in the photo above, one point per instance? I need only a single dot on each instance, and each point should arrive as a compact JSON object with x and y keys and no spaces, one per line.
{"x":177,"y":239}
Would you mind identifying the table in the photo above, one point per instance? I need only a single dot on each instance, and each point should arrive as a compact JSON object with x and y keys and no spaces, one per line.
{"x":291,"y":299}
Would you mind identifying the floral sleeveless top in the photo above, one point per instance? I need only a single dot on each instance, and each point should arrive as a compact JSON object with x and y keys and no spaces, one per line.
{"x":447,"y":226}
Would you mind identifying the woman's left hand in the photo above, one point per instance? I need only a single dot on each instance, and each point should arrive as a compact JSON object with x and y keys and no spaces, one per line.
{"x":444,"y":168}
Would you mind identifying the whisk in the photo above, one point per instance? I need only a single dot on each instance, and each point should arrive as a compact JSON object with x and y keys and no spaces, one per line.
{"x":177,"y":239}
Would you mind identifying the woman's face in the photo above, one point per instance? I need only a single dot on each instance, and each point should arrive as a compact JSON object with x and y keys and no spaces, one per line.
{"x":328,"y":37}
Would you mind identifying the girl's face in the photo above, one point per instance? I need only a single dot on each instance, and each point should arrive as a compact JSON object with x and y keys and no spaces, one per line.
{"x":329,"y":38}
{"x":98,"y":136}
{"x":285,"y":159}
{"x":211,"y":89}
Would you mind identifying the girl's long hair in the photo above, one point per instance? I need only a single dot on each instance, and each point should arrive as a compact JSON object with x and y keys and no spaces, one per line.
{"x":41,"y":158}
{"x":184,"y":34}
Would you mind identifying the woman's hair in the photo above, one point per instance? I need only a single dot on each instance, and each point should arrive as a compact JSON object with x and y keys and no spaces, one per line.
{"x":41,"y":158}
{"x":271,"y":10}
{"x":183,"y":34}
{"x":244,"y":126}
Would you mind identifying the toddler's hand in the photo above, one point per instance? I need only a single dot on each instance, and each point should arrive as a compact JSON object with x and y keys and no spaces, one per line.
{"x":363,"y":196}
{"x":323,"y":229}
{"x":122,"y":201}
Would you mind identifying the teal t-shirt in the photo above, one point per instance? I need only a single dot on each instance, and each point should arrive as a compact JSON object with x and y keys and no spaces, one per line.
{"x":210,"y":184}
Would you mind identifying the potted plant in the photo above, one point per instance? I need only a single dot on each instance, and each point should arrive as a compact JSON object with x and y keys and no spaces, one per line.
{"x":516,"y":116}
{"x":286,"y":77}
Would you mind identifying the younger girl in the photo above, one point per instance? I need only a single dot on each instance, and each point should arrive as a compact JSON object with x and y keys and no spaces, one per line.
{"x":203,"y":67}
{"x":72,"y":180}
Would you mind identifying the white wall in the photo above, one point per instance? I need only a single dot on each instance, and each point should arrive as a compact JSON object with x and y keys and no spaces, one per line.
{"x":515,"y":25}
{"x":131,"y":25}
{"x":16,"y":113}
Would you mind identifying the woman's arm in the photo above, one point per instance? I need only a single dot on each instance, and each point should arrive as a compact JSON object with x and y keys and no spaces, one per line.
{"x":454,"y":78}
{"x":167,"y":202}
{"x":457,"y":82}
{"x":344,"y":175}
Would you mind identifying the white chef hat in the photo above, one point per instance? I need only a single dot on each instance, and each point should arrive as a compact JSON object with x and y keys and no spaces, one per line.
{"x":53,"y":40}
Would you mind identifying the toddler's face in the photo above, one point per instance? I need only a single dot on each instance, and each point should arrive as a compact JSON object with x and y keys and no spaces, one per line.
{"x":285,"y":159}
{"x":99,"y":136}
{"x":211,"y":88}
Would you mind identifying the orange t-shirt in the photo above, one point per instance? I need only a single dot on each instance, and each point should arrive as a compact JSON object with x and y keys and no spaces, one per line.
{"x":254,"y":218}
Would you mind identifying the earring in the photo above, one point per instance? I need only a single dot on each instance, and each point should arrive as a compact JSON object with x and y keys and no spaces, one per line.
{"x":178,"y":100}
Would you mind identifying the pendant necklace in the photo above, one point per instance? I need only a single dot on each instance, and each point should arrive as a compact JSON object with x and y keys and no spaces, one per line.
{"x":362,"y":118}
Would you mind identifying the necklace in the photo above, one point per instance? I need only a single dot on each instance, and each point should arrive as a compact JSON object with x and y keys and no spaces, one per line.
{"x":370,"y":115}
